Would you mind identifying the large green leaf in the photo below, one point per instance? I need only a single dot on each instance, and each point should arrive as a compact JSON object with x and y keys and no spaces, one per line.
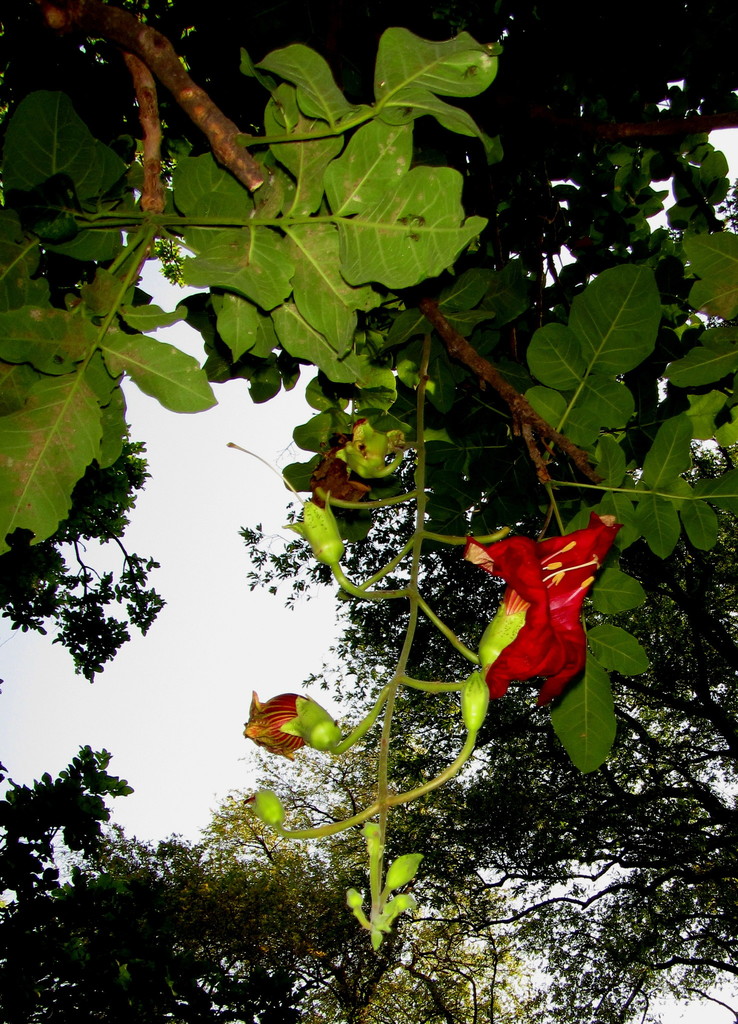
{"x":617,"y":650}
{"x":375,"y":158}
{"x":415,"y":231}
{"x":44,"y":450}
{"x":411,"y":73}
{"x":202,"y":188}
{"x":160,"y":370}
{"x":716,"y":357}
{"x":722,"y":491}
{"x":714,"y":259}
{"x":322,"y":296}
{"x":584,"y":718}
{"x":46,"y":137}
{"x":51,"y":340}
{"x":317,"y":92}
{"x":306,"y":160}
{"x":254,"y":261}
{"x":303,"y":341}
{"x":616,"y":319}
{"x":614,"y":591}
{"x":18,"y":260}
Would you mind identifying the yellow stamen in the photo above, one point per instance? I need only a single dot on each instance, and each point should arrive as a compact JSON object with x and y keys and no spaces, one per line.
{"x":586,"y":583}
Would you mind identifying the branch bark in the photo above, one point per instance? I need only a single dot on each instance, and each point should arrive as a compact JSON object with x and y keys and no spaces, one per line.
{"x":663,"y":128}
{"x":525,"y":419}
{"x":93,"y":18}
{"x":152,"y":196}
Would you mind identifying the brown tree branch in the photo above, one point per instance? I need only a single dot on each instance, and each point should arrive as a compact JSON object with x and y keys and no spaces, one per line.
{"x":152,"y":196}
{"x":664,"y":127}
{"x":94,"y":18}
{"x":526,"y":420}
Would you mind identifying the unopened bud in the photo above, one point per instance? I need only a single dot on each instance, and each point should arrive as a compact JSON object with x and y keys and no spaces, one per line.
{"x":403,"y":870}
{"x":268,"y":807}
{"x":320,"y":530}
{"x":474,"y":701}
{"x":367,"y":450}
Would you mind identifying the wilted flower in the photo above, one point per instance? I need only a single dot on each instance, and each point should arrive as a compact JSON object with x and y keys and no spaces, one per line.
{"x":538,"y":630}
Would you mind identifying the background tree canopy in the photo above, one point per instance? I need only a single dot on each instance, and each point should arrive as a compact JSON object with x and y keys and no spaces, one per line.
{"x":497,"y":245}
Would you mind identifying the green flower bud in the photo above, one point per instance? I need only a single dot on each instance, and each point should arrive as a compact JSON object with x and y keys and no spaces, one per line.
{"x":313,"y":724}
{"x":474,"y":701}
{"x":268,"y":807}
{"x":320,"y":530}
{"x":501,"y":632}
{"x":354,"y":899}
{"x":403,"y":870}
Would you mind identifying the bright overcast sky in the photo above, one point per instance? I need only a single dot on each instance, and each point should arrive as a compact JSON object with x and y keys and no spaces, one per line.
{"x":171,"y":707}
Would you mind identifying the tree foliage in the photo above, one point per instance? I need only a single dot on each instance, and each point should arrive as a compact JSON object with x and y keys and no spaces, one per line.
{"x":511,"y":262}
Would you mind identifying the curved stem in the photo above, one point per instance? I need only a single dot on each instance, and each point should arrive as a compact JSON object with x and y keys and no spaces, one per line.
{"x":369,"y":595}
{"x":364,"y":726}
{"x":447,"y":538}
{"x":397,"y":499}
{"x":448,"y":633}
{"x":431,"y":687}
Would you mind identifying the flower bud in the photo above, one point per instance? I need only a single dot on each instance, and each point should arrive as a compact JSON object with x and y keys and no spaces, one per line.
{"x":366,"y":452}
{"x":354,"y":899}
{"x":320,"y":530}
{"x":499,"y":634}
{"x":402,"y":870}
{"x":268,"y":807}
{"x":288,"y":722}
{"x":372,"y":834}
{"x":474,"y":701}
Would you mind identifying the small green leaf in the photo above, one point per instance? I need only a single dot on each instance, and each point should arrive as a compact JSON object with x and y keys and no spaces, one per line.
{"x":670,"y":454}
{"x":555,"y":357}
{"x":716,"y":357}
{"x":611,"y":463}
{"x":240,"y":325}
{"x":584,"y":718}
{"x":617,"y":651}
{"x":658,"y":521}
{"x":18,"y":260}
{"x":700,"y":524}
{"x":149,"y":317}
{"x":160,"y":370}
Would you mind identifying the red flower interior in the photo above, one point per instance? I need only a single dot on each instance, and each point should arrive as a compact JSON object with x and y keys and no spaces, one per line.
{"x":549,"y":580}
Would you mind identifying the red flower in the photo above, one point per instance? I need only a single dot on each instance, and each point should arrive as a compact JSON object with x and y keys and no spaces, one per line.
{"x":547,"y":581}
{"x":265,"y":722}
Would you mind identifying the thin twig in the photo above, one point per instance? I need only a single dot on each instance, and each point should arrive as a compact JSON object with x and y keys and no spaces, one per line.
{"x":524,"y":416}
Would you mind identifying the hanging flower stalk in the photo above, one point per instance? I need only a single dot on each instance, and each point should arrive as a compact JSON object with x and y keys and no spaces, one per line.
{"x":538,"y":630}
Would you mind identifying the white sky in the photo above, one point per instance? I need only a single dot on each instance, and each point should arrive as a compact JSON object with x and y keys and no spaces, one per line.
{"x":171,"y":706}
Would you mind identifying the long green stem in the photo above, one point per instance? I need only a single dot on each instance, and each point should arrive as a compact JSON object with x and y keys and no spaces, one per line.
{"x":391,"y":799}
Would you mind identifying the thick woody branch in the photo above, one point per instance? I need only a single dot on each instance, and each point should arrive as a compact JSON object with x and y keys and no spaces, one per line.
{"x":94,"y":18}
{"x":525,"y":419}
{"x":152,"y":196}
